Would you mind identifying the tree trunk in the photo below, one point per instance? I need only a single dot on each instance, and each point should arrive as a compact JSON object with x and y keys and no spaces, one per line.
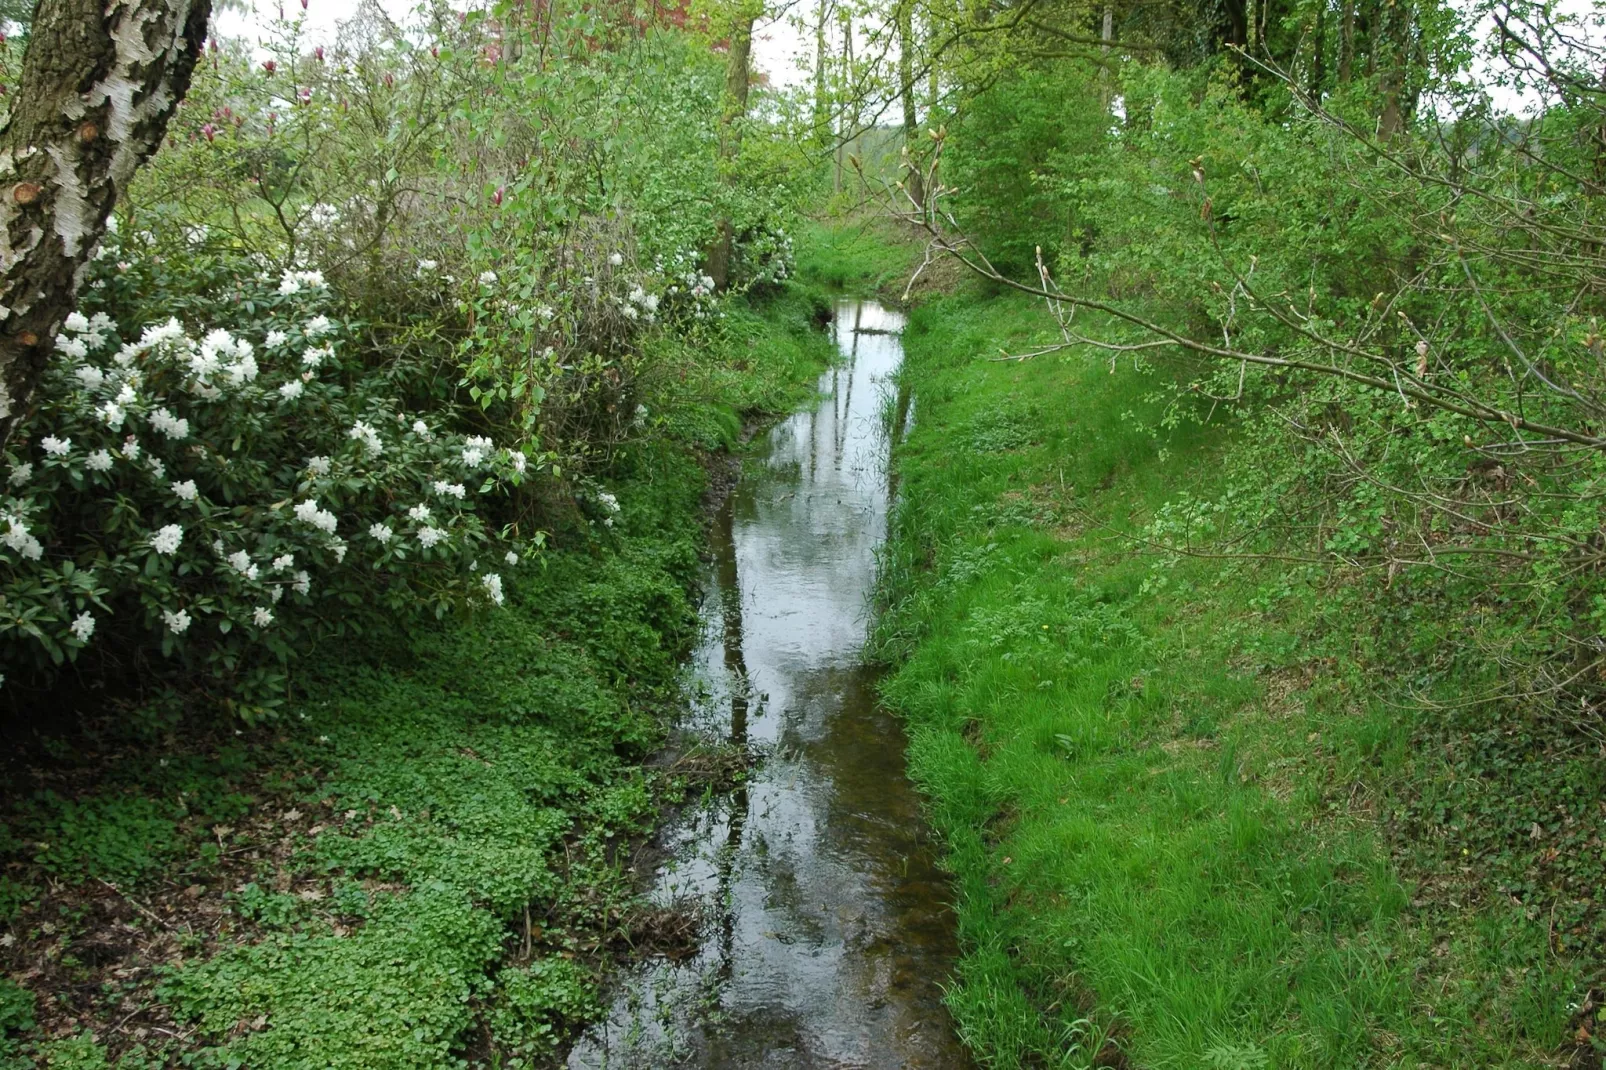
{"x":822,"y":111}
{"x":99,"y":82}
{"x":738,"y":76}
{"x":845,"y":95}
{"x":906,"y":89}
{"x":1346,"y":43}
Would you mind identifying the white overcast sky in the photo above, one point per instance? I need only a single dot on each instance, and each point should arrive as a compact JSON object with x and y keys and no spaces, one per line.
{"x":780,"y":50}
{"x":777,"y":44}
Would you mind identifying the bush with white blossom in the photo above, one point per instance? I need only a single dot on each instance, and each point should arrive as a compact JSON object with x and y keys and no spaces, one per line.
{"x":229,"y":491}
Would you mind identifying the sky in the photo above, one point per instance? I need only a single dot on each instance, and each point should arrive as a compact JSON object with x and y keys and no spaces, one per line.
{"x":780,"y":49}
{"x":776,"y":43}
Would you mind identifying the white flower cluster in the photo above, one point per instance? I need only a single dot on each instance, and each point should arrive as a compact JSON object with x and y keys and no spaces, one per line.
{"x":292,"y":282}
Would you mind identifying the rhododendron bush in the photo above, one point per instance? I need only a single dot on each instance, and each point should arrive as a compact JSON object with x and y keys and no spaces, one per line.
{"x":229,"y":491}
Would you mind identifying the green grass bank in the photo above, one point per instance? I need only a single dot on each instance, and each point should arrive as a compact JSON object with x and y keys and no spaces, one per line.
{"x":427,"y":860}
{"x":1187,"y":827}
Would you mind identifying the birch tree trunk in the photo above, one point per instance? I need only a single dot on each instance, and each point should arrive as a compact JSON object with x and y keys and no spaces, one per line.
{"x":99,"y":82}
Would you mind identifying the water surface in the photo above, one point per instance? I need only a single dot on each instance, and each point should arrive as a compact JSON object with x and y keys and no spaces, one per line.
{"x":827,"y":932}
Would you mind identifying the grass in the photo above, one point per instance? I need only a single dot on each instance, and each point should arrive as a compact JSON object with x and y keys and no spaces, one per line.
{"x":422,"y":863}
{"x":1165,"y":806}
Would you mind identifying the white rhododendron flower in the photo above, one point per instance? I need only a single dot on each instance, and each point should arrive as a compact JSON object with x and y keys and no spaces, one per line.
{"x":308,"y":513}
{"x":291,"y":390}
{"x":368,"y":436}
{"x":511,"y":558}
{"x":419,"y":512}
{"x":450,"y":490}
{"x":167,"y":540}
{"x":92,"y":377}
{"x":177,"y":622}
{"x":275,"y":339}
{"x":174,"y":427}
{"x":303,"y":583}
{"x":318,"y":466}
{"x":493,"y":587}
{"x":283,"y":562}
{"x":487,"y":278}
{"x":317,"y":327}
{"x":21,"y":473}
{"x":56,"y":447}
{"x":380,"y":532}
{"x":83,"y":626}
{"x":185,"y":490}
{"x":99,"y":461}
{"x":430,"y":536}
{"x":262,"y":616}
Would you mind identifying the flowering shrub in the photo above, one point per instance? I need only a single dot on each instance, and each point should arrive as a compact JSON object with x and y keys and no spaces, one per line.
{"x":229,"y":493}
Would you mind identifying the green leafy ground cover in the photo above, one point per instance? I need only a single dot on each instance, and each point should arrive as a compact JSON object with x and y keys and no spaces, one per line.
{"x":1188,"y":827}
{"x":427,"y":860}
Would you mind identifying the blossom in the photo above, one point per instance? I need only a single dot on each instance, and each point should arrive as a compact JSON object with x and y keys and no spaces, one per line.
{"x":419,"y":512}
{"x":174,"y":427}
{"x":83,"y":626}
{"x":72,"y":347}
{"x":369,"y":438}
{"x":76,"y":322}
{"x":308,"y":513}
{"x":445,"y":489}
{"x":18,"y":538}
{"x":616,"y":259}
{"x":487,"y":278}
{"x":127,"y":396}
{"x":262,"y":616}
{"x":185,"y":490}
{"x":166,"y":541}
{"x":275,"y":339}
{"x":240,"y":561}
{"x":303,"y":583}
{"x":338,"y":547}
{"x":475,"y":450}
{"x":112,"y":413}
{"x":511,"y":558}
{"x":291,"y":390}
{"x":519,"y":462}
{"x":177,"y":621}
{"x":284,"y":561}
{"x":430,"y":536}
{"x":158,"y":469}
{"x":317,"y":327}
{"x":291,"y":282}
{"x":314,"y":356}
{"x":421,"y":429}
{"x":493,"y":587}
{"x":426,"y":266}
{"x":380,"y":533}
{"x":56,"y":447}
{"x":318,"y":466}
{"x":91,"y":376}
{"x":99,"y":461}
{"x":608,"y":501}
{"x":131,"y":448}
{"x":21,"y":473}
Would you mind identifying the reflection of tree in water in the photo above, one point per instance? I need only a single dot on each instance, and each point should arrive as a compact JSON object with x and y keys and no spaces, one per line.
{"x":730,"y":597}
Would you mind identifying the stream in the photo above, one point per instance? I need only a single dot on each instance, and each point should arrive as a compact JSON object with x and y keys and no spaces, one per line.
{"x":826,"y":930}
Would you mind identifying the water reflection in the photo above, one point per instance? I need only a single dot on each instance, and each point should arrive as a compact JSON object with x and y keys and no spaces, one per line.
{"x":828,"y":930}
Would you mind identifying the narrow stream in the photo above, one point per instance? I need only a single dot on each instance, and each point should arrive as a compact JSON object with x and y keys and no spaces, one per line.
{"x":827,"y":933}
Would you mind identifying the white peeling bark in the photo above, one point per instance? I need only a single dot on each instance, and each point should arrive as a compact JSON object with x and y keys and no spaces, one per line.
{"x":99,"y":82}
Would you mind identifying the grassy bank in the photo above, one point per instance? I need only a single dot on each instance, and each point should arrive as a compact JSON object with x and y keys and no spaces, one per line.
{"x":1187,"y":829}
{"x":419,"y":864}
